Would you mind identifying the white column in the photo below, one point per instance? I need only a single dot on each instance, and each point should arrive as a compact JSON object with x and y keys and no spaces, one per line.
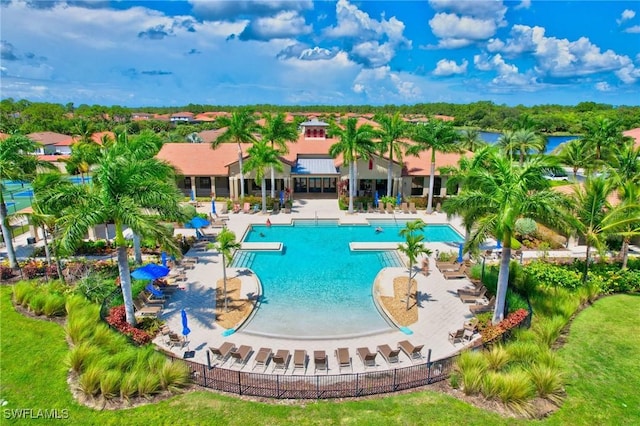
{"x":193,"y":186}
{"x":213,"y":184}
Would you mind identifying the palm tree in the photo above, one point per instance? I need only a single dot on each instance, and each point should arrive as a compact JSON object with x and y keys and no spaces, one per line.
{"x":526,"y":141}
{"x":17,"y":162}
{"x":577,"y":155}
{"x":278,"y":132}
{"x":470,"y":140}
{"x":84,"y":154}
{"x":131,"y":189}
{"x":437,"y":136}
{"x":354,"y":142}
{"x":241,"y":127}
{"x":595,"y":218}
{"x":261,"y":157}
{"x":498,"y":192}
{"x":193,"y":137}
{"x":604,"y":135}
{"x":392,"y":130}
{"x":626,"y":163}
{"x":507,"y":143}
{"x":412,"y":248}
{"x":226,"y":244}
{"x":629,"y":194}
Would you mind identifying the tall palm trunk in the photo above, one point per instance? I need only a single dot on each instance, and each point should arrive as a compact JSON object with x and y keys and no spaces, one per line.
{"x":273,"y":182}
{"x":585,"y":273}
{"x":6,"y":234}
{"x":56,"y":257}
{"x":264,"y":195}
{"x":125,"y":283}
{"x":47,"y":253}
{"x":432,"y":177}
{"x":351,"y":185}
{"x":355,"y":176}
{"x":389,"y":171}
{"x":625,"y":252}
{"x":241,"y":171}
{"x":137,"y":250}
{"x":409,"y":282}
{"x":224,"y":282}
{"x":503,"y":282}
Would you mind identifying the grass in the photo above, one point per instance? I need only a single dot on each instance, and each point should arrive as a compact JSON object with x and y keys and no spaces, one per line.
{"x":602,"y":371}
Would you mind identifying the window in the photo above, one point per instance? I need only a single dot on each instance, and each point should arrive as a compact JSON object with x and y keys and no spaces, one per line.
{"x":417,"y":186}
{"x":205,"y":182}
{"x":187,"y":182}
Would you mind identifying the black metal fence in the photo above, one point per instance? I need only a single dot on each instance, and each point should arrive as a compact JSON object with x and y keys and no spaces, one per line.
{"x":352,"y":385}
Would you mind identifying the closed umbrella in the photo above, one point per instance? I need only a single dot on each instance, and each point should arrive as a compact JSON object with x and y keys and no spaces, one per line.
{"x":185,"y":323}
{"x":399,"y":199}
{"x":460,"y":247}
{"x":163,"y":259}
{"x":150,"y":271}
{"x":376,"y":199}
{"x":282,"y":198}
{"x":213,"y":207}
{"x":193,"y":195}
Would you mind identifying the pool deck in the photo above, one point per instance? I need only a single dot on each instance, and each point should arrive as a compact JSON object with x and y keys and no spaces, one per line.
{"x":440,"y":309}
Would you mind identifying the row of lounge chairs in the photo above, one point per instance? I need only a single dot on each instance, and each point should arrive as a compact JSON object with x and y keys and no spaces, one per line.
{"x":390,"y":208}
{"x":282,"y":360}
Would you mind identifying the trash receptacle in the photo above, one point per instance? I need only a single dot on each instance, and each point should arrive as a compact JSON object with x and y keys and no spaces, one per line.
{"x":31,"y":240}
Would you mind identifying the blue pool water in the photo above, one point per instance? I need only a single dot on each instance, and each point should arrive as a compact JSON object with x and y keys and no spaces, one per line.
{"x":552,"y":141}
{"x":317,"y":287}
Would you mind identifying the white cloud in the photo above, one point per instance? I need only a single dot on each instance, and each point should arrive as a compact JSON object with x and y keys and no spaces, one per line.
{"x":626,"y":15}
{"x":602,"y":86}
{"x":524,"y":4}
{"x":374,"y":42}
{"x":563,"y":58}
{"x":461,"y":23}
{"x":628,"y":74}
{"x":446,"y":67}
{"x":633,"y":30}
{"x":283,"y":25}
{"x":226,"y":9}
{"x":508,"y":76}
{"x":381,"y":85}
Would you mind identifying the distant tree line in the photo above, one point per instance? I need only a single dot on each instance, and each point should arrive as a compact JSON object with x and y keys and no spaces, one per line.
{"x":26,"y":117}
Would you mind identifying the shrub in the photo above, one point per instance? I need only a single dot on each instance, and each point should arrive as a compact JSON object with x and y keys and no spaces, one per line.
{"x":117,"y":319}
{"x":6,"y":272}
{"x":497,"y":358}
{"x":148,"y":384}
{"x":554,"y":276}
{"x":515,"y":390}
{"x":96,"y":287}
{"x":22,"y":291}
{"x":471,"y":360}
{"x":54,"y":305}
{"x":110,"y":384}
{"x":491,"y":332}
{"x":174,"y":375}
{"x":526,"y":226}
{"x":548,"y":329}
{"x":89,"y":381}
{"x":80,"y":356}
{"x":79,"y":329}
{"x":524,"y":353}
{"x":491,"y":385}
{"x":471,"y":381}
{"x":37,"y":302}
{"x":129,"y":385}
{"x":547,"y":381}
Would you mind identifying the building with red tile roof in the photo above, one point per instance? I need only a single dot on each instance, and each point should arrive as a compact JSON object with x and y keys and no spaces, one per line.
{"x":51,"y":142}
{"x":308,"y":169}
{"x":635,"y":135}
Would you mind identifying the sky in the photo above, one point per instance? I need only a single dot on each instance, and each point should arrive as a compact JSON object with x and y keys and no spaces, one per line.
{"x":345,"y":52}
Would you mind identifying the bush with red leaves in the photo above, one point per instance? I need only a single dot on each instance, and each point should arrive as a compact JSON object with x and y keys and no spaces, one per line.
{"x":6,"y":272}
{"x":117,"y":318}
{"x":514,"y":319}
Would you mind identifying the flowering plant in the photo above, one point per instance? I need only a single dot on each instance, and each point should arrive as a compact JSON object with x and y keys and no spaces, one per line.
{"x":117,"y":318}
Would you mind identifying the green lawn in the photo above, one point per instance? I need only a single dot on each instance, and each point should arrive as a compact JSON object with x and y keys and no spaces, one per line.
{"x":32,"y":375}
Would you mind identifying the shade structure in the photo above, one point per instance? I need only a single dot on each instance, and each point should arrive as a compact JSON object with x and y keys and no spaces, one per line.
{"x":460,"y":248}
{"x":185,"y":323}
{"x":399,"y":199}
{"x":150,"y":272}
{"x":376,"y":199}
{"x":163,"y":259}
{"x":197,"y":222}
{"x":213,"y":208}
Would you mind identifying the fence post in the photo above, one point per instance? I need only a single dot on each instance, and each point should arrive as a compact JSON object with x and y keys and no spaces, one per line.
{"x":429,"y":366}
{"x":278,"y":386}
{"x":395,"y":374}
{"x":204,"y":375}
{"x":357,"y":383}
{"x":239,"y":384}
{"x":208,"y":360}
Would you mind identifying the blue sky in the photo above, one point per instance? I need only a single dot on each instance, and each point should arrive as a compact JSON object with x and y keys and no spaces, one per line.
{"x":171,"y":53}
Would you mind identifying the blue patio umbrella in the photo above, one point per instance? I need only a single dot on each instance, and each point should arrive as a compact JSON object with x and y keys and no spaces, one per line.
{"x":498,"y":244}
{"x":376,"y":199}
{"x":213,"y":207}
{"x":193,"y":195}
{"x":163,"y":259}
{"x":399,"y":199}
{"x":150,"y":272}
{"x":460,"y":248}
{"x":282,"y":198}
{"x":197,"y":222}
{"x":185,"y":323}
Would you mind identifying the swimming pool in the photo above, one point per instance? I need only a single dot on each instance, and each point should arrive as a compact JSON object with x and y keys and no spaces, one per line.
{"x":316,"y":287}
